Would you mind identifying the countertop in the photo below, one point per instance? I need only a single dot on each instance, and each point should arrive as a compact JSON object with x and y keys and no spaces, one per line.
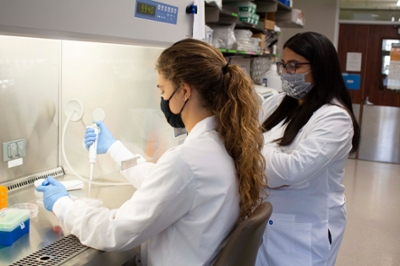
{"x":45,"y":228}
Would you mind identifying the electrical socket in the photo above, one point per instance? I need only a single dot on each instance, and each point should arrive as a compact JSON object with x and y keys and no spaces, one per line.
{"x":13,"y":149}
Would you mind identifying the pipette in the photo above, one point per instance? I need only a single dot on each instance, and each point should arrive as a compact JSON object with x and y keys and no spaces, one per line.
{"x":92,"y":153}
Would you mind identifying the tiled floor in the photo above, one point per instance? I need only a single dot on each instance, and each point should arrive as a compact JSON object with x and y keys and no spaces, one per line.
{"x":372,"y":234}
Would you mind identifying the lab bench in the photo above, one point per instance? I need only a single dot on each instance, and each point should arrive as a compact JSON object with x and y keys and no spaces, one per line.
{"x":46,"y":230}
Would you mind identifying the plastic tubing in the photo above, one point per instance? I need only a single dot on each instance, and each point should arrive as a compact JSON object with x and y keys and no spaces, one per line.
{"x":70,"y":167}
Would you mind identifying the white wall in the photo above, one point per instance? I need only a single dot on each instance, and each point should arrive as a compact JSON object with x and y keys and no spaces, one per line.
{"x":320,"y":16}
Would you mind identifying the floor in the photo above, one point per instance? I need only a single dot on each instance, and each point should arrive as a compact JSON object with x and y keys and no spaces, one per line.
{"x":372,"y":234}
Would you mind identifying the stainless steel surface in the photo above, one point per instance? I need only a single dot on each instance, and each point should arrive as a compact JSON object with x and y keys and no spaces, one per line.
{"x":54,"y":254}
{"x":25,"y":182}
{"x":356,"y":111}
{"x":380,"y":134}
{"x":45,"y":229}
{"x":93,"y":20}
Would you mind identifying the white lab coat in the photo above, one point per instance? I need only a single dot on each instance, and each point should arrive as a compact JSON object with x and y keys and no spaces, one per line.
{"x":313,"y":203}
{"x":184,"y":207}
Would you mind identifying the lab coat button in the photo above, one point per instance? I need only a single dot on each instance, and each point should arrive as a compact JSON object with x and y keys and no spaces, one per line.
{"x":271,"y":222}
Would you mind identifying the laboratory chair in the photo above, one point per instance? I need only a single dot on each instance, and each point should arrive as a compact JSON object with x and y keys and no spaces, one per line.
{"x":242,"y":244}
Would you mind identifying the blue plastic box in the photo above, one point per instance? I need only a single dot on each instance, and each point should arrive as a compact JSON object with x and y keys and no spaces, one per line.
{"x":14,"y":223}
{"x":285,"y":2}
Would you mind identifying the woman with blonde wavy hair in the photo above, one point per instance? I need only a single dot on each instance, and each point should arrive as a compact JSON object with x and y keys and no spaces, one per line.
{"x":186,"y":204}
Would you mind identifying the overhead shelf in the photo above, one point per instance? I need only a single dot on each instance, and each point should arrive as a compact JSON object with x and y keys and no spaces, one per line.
{"x":236,"y":52}
{"x":266,"y":6}
{"x":283,"y":7}
{"x":229,"y":15}
{"x":289,"y":18}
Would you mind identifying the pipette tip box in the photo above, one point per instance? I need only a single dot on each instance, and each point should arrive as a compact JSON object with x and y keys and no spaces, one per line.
{"x":14,"y":223}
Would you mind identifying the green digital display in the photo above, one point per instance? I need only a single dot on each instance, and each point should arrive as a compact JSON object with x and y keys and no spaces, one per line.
{"x":146,"y":9}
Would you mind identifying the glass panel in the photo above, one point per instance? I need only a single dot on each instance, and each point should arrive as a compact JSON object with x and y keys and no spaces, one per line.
{"x":38,"y":77}
{"x":386,"y":48}
{"x":29,"y":88}
{"x":121,"y":80}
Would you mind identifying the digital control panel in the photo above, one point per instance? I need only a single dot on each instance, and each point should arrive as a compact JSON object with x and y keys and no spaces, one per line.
{"x":157,"y":11}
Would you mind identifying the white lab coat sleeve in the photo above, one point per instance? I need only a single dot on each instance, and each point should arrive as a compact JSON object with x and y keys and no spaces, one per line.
{"x":164,"y":197}
{"x":120,"y":153}
{"x":135,"y":175}
{"x":269,"y":105}
{"x":329,"y":138}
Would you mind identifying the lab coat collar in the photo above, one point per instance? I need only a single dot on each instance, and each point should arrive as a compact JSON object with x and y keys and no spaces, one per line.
{"x":204,"y":125}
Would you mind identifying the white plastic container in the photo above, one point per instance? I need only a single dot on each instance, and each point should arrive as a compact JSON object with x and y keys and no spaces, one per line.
{"x":272,"y":79}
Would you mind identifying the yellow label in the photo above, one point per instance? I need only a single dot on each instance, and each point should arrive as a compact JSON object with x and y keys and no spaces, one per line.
{"x":3,"y":197}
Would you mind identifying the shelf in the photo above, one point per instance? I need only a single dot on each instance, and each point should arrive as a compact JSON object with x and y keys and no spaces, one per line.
{"x":259,"y":28}
{"x":283,"y":24}
{"x":236,"y":52}
{"x":228,"y":15}
{"x":289,"y":18}
{"x":266,"y":6}
{"x":281,"y":6}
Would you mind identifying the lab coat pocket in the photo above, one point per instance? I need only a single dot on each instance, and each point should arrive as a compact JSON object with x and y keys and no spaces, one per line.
{"x":288,"y":242}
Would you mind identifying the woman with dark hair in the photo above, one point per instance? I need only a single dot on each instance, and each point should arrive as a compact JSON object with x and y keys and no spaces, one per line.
{"x":186,"y":204}
{"x":309,"y":131}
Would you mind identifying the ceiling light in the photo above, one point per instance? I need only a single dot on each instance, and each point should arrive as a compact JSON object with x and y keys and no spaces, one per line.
{"x":398,"y":3}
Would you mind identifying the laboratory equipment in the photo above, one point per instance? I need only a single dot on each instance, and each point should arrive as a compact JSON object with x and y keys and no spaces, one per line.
{"x":272,"y":79}
{"x":265,"y":92}
{"x":14,"y":223}
{"x":52,"y":22}
{"x":3,"y":197}
{"x":93,"y":153}
{"x":134,"y":22}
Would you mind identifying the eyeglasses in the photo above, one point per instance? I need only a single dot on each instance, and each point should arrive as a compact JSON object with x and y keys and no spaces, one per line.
{"x":290,"y":67}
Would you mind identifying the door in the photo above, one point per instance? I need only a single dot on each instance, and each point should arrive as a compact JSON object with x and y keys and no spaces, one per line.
{"x":379,"y":106}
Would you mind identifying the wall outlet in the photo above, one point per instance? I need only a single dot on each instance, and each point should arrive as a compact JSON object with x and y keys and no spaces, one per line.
{"x":13,"y":149}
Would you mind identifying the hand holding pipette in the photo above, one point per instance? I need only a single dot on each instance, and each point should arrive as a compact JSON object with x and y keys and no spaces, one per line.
{"x":104,"y":138}
{"x":98,"y":140}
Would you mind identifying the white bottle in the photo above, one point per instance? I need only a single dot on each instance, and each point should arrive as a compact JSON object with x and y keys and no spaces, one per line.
{"x":272,"y":79}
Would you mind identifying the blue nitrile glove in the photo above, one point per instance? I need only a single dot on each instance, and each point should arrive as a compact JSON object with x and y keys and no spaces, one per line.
{"x":52,"y":191}
{"x":105,"y":138}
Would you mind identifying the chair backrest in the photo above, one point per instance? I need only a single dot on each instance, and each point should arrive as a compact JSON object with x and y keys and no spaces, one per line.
{"x":242,"y":244}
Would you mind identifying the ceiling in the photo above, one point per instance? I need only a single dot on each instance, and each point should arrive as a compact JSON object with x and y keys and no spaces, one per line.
{"x":370,"y":4}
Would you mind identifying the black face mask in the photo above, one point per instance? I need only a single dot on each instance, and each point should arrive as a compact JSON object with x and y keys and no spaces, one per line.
{"x":175,"y":120}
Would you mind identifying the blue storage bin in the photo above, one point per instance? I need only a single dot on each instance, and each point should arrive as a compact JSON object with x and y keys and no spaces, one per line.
{"x":14,"y":223}
{"x":285,"y":2}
